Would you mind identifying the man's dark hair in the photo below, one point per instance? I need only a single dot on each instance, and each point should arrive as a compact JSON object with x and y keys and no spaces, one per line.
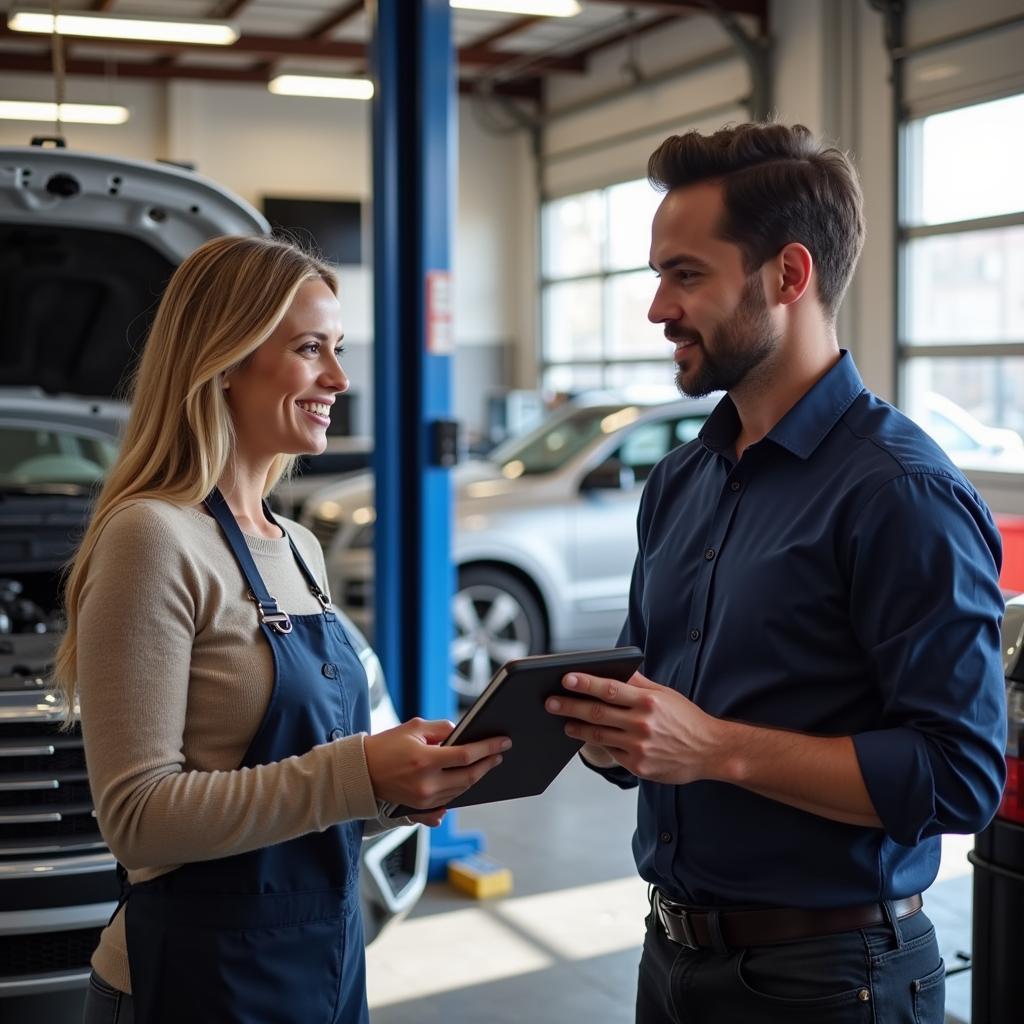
{"x":779,"y":185}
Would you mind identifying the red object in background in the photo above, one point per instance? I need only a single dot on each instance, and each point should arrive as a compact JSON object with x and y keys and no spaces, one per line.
{"x":1012,"y":806}
{"x":1012,"y":530}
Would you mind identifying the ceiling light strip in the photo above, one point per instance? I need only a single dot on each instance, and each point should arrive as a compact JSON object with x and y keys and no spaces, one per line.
{"x":323,"y":86}
{"x":70,"y":113}
{"x":545,"y":8}
{"x":113,"y":26}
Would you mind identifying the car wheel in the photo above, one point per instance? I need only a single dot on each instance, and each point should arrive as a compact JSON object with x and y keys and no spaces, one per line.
{"x":497,"y":618}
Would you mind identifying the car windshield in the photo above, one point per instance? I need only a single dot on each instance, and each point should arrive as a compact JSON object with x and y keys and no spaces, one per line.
{"x":49,"y":455}
{"x":560,"y":439}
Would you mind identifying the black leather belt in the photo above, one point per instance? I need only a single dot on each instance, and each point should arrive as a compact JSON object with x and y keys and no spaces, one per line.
{"x":694,"y":927}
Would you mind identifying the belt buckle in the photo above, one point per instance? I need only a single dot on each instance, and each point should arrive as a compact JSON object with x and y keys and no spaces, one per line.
{"x":676,"y":924}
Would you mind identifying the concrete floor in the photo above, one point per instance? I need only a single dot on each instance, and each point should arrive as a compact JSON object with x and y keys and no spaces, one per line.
{"x":565,"y":945}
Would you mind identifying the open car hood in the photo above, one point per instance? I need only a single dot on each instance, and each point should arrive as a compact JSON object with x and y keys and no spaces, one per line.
{"x":87,"y":244}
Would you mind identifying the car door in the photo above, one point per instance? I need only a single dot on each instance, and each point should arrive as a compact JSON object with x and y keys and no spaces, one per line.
{"x":603,"y":531}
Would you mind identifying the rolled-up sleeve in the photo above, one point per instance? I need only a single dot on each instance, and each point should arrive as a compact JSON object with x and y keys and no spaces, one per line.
{"x":926,"y":606}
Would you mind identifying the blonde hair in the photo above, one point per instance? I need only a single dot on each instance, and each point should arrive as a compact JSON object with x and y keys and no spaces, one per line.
{"x":220,"y":305}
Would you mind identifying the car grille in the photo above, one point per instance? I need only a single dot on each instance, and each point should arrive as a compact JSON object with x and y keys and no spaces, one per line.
{"x":357,"y":593}
{"x":399,"y":866}
{"x":324,"y":530}
{"x":44,"y":952}
{"x":45,"y":804}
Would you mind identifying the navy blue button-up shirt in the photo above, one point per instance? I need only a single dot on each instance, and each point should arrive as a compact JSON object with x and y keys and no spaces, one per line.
{"x":840,"y":579}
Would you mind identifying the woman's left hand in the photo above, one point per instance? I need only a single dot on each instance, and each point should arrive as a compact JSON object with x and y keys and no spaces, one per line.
{"x":431,"y":818}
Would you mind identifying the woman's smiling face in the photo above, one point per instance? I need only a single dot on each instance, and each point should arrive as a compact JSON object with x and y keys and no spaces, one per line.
{"x":281,"y":396}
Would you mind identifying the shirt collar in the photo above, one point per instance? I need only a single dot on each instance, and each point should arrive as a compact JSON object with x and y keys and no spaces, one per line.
{"x":806,"y":425}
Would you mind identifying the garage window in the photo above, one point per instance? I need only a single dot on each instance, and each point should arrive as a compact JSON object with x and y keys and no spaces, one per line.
{"x":962,"y":303}
{"x":596,"y":289}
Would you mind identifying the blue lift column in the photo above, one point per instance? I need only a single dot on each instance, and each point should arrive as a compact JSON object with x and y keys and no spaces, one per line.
{"x":414,"y":146}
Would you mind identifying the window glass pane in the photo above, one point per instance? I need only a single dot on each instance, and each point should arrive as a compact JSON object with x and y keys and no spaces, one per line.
{"x":971,"y":407}
{"x":631,"y":209}
{"x":966,"y":287}
{"x":572,"y":321}
{"x":968,"y":163}
{"x":661,"y":375}
{"x":31,"y":457}
{"x":687,"y":429}
{"x":574,"y":231}
{"x":631,"y":334}
{"x":644,"y":446}
{"x":571,"y":380}
{"x":554,"y":442}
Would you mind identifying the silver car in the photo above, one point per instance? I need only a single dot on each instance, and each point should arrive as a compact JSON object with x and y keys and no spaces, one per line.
{"x":545,"y":532}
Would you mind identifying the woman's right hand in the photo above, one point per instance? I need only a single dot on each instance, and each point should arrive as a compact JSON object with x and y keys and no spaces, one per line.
{"x":407,"y":765}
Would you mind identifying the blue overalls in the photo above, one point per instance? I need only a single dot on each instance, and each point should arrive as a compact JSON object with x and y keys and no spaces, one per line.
{"x":273,"y":936}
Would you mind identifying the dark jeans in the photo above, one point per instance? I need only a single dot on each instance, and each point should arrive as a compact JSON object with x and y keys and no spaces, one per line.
{"x":861,"y":977}
{"x":104,"y":1004}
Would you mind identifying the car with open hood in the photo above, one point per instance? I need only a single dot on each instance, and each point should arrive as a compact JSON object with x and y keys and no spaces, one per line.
{"x":87,"y":244}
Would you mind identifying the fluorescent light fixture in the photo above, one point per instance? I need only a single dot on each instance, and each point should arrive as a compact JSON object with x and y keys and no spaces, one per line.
{"x":70,"y":113}
{"x":115,"y":26}
{"x":546,"y":8}
{"x":322,"y":85}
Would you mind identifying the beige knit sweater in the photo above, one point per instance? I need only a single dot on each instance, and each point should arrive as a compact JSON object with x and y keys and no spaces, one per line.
{"x":175,"y":676}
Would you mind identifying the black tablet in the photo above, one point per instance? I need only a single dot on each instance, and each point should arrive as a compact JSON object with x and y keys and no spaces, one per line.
{"x":513,"y":706}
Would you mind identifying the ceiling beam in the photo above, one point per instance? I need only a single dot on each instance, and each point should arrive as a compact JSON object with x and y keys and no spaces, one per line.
{"x":279,"y":46}
{"x":622,"y":34}
{"x":756,"y":8}
{"x":230,"y":9}
{"x":269,"y":46}
{"x":529,"y":90}
{"x":326,"y":27}
{"x":502,"y":33}
{"x":323,"y":29}
{"x":128,"y":69}
{"x":224,"y":10}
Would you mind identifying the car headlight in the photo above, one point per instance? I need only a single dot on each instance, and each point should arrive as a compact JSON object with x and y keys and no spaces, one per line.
{"x":324,"y":529}
{"x":374,"y":676}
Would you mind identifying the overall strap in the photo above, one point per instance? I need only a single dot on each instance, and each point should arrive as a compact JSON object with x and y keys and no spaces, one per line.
{"x":270,"y":614}
{"x":305,"y":569}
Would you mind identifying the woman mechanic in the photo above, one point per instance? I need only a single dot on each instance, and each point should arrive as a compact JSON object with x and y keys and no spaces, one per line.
{"x":224,"y":712}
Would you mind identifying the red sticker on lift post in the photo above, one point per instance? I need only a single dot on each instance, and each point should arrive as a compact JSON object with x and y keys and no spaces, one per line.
{"x":440,"y":333}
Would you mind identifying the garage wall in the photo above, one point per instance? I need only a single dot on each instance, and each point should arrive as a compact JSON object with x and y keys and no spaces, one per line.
{"x":601,"y":128}
{"x":257,"y":144}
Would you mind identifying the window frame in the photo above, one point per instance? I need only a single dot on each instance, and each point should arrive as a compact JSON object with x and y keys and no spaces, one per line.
{"x":906,"y":350}
{"x":602,"y":276}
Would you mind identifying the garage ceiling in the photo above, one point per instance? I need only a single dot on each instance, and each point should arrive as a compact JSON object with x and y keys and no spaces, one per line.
{"x":512,"y":52}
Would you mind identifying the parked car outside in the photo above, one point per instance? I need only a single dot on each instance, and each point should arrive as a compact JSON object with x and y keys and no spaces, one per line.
{"x":86,"y":245}
{"x":545,"y":532}
{"x":968,"y":442}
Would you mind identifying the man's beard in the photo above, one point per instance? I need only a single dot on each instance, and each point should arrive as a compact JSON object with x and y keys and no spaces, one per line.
{"x":738,"y":346}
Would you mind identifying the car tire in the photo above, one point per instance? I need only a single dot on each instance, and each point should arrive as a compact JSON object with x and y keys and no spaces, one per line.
{"x":497,"y":617}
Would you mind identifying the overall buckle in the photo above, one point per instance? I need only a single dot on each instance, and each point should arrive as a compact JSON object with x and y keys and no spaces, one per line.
{"x":271,"y":615}
{"x":676,"y":923}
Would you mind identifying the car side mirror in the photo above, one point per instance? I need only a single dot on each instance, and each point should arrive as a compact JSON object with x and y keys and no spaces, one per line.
{"x":610,"y":475}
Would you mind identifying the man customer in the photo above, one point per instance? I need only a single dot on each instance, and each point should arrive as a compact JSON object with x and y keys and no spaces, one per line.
{"x":816,"y":593}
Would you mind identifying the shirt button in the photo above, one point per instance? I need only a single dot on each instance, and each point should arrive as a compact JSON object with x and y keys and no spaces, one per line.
{"x":694,"y":634}
{"x":734,"y":486}
{"x":666,"y":837}
{"x":709,"y":554}
{"x":329,"y":669}
{"x":337,"y":734}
